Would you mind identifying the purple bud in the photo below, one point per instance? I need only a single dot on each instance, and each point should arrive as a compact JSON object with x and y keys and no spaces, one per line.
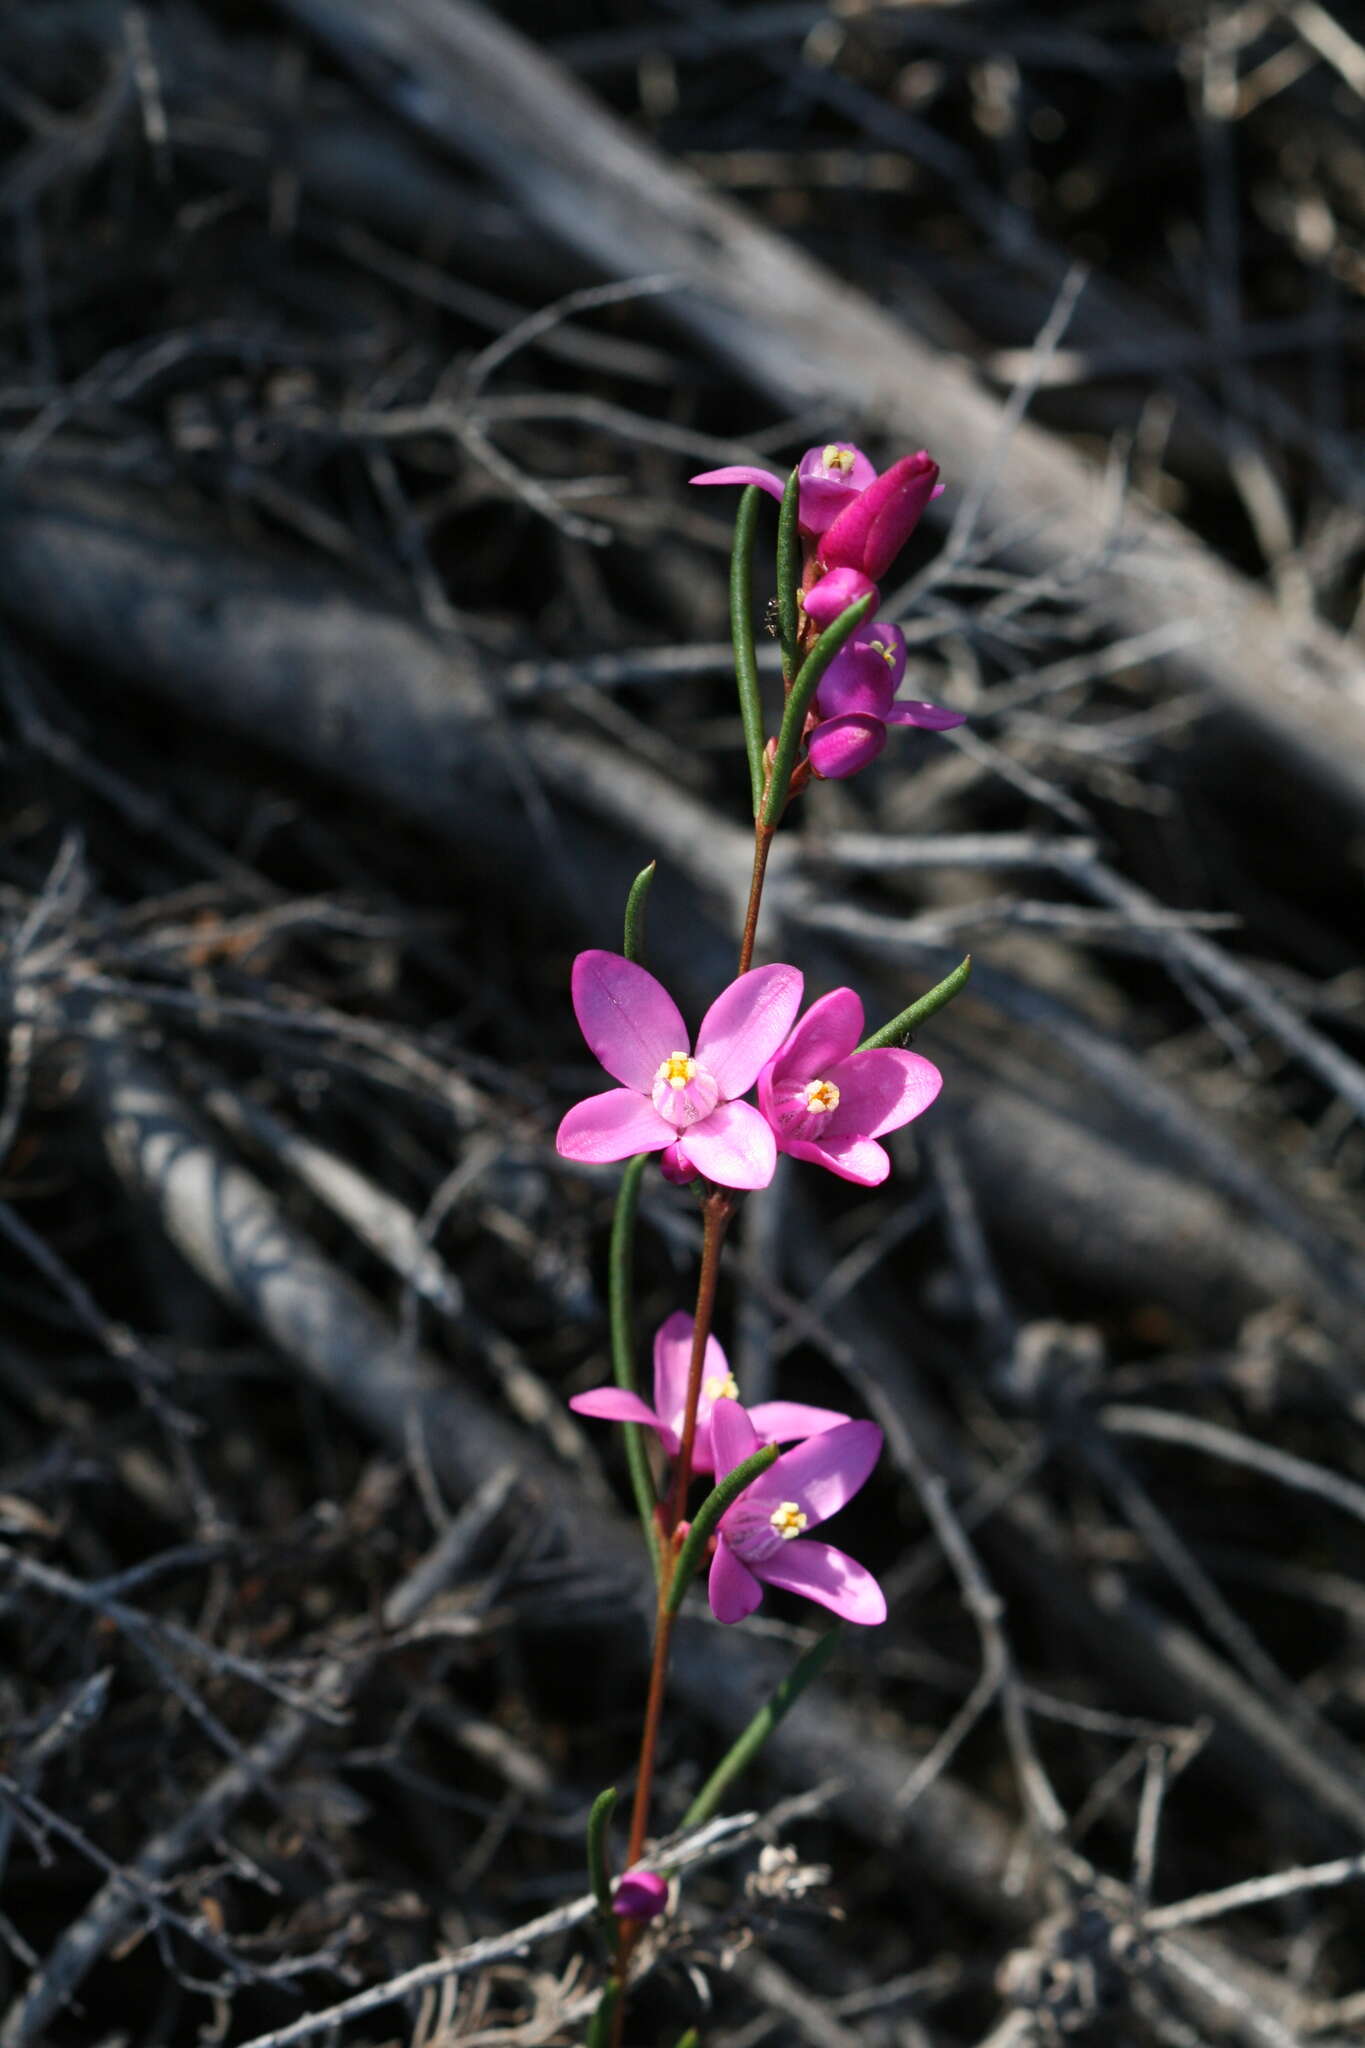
{"x":834,"y":593}
{"x":675,"y":1166}
{"x":871,"y":531}
{"x":841,"y":746}
{"x":640,"y":1895}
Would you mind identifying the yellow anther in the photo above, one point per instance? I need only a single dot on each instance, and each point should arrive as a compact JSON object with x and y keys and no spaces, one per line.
{"x":835,"y":457}
{"x":787,"y":1519}
{"x":821,"y":1096}
{"x":888,"y":654}
{"x":678,"y":1069}
{"x":720,"y":1387}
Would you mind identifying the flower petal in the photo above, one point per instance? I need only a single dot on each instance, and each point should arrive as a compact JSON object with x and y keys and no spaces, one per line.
{"x":857,"y":1159}
{"x":928,"y":717}
{"x":734,"y":1147}
{"x":857,"y":679}
{"x":823,"y":1472}
{"x":840,"y":747}
{"x":614,"y":1125}
{"x":672,"y":1366}
{"x":743,"y":473}
{"x":629,"y":1019}
{"x":786,"y":1422}
{"x":879,"y":1091}
{"x":745,"y":1025}
{"x":614,"y":1404}
{"x":732,"y":1588}
{"x":825,"y":1036}
{"x":733,"y":1437}
{"x":822,"y":1573}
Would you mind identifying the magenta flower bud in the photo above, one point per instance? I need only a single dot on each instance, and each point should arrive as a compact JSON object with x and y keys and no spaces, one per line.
{"x":834,"y":593}
{"x":842,"y":746}
{"x":675,"y":1166}
{"x":871,"y":531}
{"x":829,"y":479}
{"x":640,"y":1895}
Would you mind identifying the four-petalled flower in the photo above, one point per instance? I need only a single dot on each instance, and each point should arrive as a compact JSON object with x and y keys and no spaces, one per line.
{"x":762,"y":1536}
{"x":829,"y":1103}
{"x":671,"y":1095}
{"x":777,"y":1422}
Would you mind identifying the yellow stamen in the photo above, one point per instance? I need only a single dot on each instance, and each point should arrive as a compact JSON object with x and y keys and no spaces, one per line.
{"x":821,"y":1096}
{"x":787,"y":1519}
{"x":888,"y":654}
{"x":720,"y":1387}
{"x":835,"y":457}
{"x":678,"y":1069}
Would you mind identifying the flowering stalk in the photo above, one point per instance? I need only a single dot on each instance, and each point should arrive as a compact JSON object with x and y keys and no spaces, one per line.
{"x":825,"y":1095}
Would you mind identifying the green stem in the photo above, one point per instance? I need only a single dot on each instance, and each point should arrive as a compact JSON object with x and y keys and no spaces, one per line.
{"x":706,"y":1518}
{"x":600,"y":2026}
{"x":899,"y":1029}
{"x":598,"y":1822}
{"x":634,"y":947}
{"x":799,"y":702}
{"x":789,"y":566}
{"x":742,"y":1752}
{"x":620,"y":1274}
{"x":742,"y":635}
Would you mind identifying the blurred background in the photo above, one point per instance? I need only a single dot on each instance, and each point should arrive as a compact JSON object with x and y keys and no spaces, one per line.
{"x":360,"y":640}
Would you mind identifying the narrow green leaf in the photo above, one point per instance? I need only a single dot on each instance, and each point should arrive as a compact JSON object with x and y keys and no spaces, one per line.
{"x":634,"y":947}
{"x":789,"y":568}
{"x":620,"y":1303}
{"x":599,"y":1820}
{"x":599,"y":2026}
{"x":799,"y":702}
{"x":707,"y":1516}
{"x":896,"y":1032}
{"x":742,"y":1752}
{"x":742,"y":635}
{"x":691,"y":2039}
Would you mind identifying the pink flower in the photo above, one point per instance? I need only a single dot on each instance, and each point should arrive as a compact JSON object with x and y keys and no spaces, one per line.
{"x":873,"y":527}
{"x":856,"y":702}
{"x":762,"y":1535}
{"x":671,"y":1096}
{"x":640,"y":1895}
{"x":829,"y":478}
{"x":829,"y":1104}
{"x":775,"y":1421}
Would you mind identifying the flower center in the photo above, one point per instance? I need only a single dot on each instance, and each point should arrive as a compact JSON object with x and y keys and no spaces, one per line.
{"x":836,"y":458}
{"x":820,"y":1096}
{"x":787,"y":1519}
{"x":683,"y":1091}
{"x":720,"y":1387}
{"x":888,"y":654}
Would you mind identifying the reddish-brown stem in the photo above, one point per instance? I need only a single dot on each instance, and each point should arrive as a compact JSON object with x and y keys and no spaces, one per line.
{"x":717,"y":1209}
{"x":763,"y":839}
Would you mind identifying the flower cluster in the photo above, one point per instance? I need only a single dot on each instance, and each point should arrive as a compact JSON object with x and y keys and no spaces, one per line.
{"x":853,"y":524}
{"x":762,"y":1536}
{"x":819,"y":1098}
